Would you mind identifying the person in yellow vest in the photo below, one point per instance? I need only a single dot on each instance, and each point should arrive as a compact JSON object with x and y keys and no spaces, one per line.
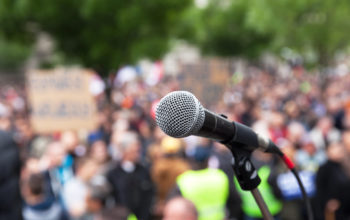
{"x":249,"y":206}
{"x":207,"y":188}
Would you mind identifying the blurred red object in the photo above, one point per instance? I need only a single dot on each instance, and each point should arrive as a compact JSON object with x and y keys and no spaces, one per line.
{"x":128,"y":102}
{"x":154,"y":108}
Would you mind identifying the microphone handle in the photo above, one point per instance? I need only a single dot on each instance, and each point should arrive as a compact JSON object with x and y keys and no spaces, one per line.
{"x":217,"y":127}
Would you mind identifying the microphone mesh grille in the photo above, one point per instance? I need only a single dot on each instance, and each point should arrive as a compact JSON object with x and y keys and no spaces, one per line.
{"x":180,"y":114}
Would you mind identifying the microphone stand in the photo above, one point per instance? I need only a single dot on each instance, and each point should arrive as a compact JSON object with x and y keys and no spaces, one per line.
{"x":247,"y":175}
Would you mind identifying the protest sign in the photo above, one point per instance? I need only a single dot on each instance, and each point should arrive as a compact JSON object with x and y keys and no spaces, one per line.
{"x":60,"y":100}
{"x":206,"y":79}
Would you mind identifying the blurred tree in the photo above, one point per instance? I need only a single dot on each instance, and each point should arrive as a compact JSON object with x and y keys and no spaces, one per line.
{"x":13,"y":54}
{"x":220,"y":29}
{"x":314,"y":29}
{"x":16,"y":37}
{"x":105,"y":34}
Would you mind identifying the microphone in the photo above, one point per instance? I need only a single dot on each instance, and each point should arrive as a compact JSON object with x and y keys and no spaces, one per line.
{"x":180,"y":114}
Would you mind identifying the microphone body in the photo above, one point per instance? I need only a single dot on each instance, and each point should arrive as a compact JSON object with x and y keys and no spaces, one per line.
{"x":216,"y":127}
{"x":179,"y":114}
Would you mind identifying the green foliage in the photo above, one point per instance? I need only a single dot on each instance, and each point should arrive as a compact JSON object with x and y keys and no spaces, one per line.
{"x":105,"y":34}
{"x":306,"y":26}
{"x":315,"y":29}
{"x":15,"y":35}
{"x":228,"y":33}
{"x":12,"y":54}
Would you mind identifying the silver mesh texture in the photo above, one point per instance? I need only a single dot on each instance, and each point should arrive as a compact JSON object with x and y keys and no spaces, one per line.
{"x":180,"y":114}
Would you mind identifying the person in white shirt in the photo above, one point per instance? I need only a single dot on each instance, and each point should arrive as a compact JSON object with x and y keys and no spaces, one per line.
{"x":75,"y":191}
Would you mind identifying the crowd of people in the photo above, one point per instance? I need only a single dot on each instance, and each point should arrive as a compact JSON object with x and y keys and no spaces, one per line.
{"x":127,"y":168}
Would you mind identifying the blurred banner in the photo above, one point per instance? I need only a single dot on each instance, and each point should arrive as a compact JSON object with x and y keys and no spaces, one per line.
{"x":60,"y":100}
{"x":206,"y":79}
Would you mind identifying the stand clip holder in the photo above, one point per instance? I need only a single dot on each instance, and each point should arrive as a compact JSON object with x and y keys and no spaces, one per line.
{"x":247,"y":175}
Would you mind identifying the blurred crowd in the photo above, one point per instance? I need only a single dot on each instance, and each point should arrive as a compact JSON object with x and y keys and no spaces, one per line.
{"x":129,"y":169}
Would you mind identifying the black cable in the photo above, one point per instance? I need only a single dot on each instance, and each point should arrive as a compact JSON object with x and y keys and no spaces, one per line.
{"x":305,"y":197}
{"x":291,"y":167}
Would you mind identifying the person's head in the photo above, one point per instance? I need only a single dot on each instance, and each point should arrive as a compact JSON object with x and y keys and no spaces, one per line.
{"x":180,"y":209}
{"x":129,"y":147}
{"x":277,"y":121}
{"x":200,"y":157}
{"x":70,"y":140}
{"x":33,"y":188}
{"x":295,"y":132}
{"x":308,"y":145}
{"x":99,"y":152}
{"x":5,"y":122}
{"x":24,"y":128}
{"x":287,"y":148}
{"x":336,"y":152}
{"x":325,"y":124}
{"x":55,"y":153}
{"x":97,"y":197}
{"x":170,"y":145}
{"x":86,"y":168}
{"x":291,"y":108}
{"x":36,"y":184}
